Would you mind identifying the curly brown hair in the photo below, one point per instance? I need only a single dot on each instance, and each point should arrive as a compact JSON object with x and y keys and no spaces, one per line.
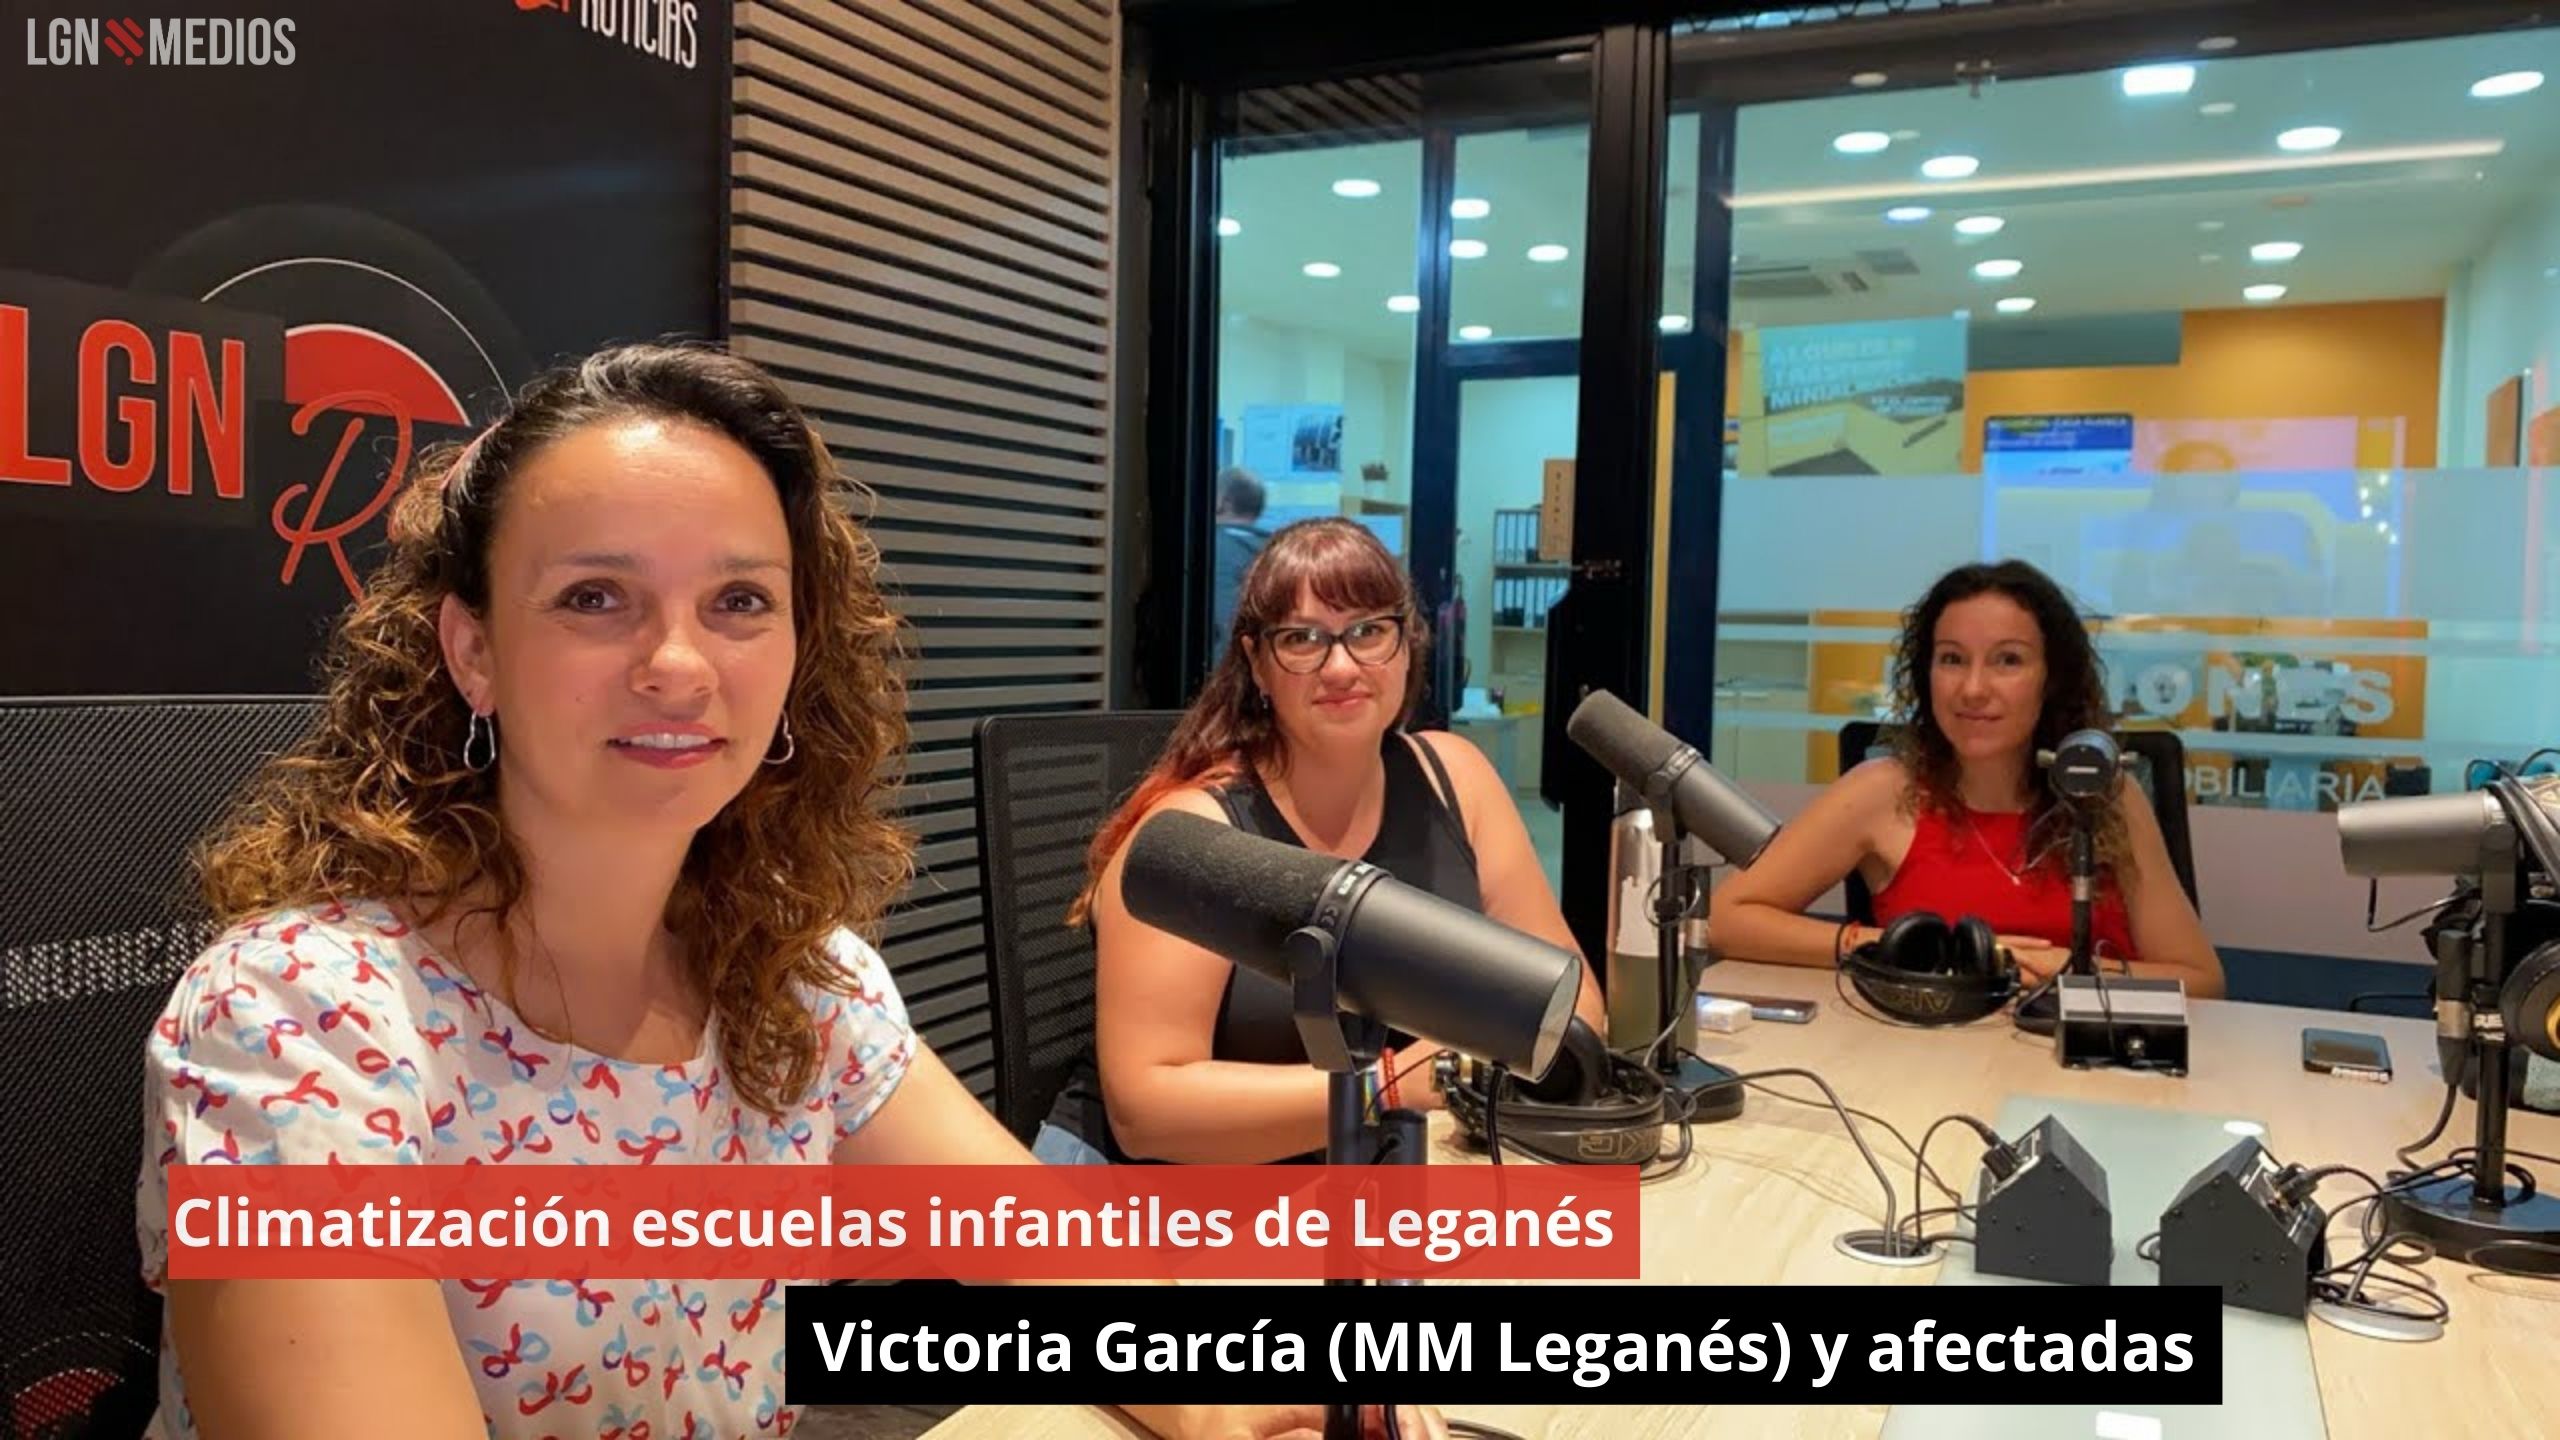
{"x":2075,"y":698}
{"x":376,"y":803}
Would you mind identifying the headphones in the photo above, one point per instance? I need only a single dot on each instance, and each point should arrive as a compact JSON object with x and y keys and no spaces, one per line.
{"x":1593,"y":1107}
{"x":1924,"y":971}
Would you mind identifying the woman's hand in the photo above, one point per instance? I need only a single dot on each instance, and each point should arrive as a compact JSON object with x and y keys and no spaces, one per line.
{"x":2038,"y":960}
{"x":1280,"y":1422}
{"x":1417,"y":1078}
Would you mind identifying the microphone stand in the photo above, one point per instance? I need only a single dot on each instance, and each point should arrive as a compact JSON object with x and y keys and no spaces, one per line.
{"x":1345,"y":1045}
{"x":1711,"y":1090}
{"x":2041,"y":1012}
{"x":2475,"y":1209}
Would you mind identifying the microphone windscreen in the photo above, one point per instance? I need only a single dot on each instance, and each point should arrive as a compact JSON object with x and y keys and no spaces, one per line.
{"x":1627,"y":744}
{"x":1235,"y":895}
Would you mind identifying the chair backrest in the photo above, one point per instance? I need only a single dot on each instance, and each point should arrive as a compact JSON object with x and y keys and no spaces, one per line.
{"x":101,"y":802}
{"x":1045,"y":785}
{"x":2157,"y":758}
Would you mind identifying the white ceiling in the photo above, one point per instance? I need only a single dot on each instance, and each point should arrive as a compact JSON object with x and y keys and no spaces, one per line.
{"x":2104,"y":198}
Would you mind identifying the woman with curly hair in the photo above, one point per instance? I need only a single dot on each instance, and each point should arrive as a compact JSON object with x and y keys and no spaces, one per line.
{"x":1992,"y":666}
{"x":572,"y":870}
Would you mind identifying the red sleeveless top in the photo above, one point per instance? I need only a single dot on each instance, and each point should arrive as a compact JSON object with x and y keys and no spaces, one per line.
{"x":1974,"y":863}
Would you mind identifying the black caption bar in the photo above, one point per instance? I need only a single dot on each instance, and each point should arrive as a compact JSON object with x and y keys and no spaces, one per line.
{"x":1515,"y":1345}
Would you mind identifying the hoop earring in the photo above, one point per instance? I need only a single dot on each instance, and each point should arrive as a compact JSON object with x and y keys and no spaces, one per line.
{"x":790,"y":746}
{"x":483,"y":732}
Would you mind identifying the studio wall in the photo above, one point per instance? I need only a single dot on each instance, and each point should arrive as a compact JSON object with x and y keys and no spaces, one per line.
{"x":923,"y":226}
{"x":248,"y":272}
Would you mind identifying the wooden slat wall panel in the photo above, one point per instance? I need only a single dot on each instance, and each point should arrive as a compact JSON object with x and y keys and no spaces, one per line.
{"x":922,"y":231}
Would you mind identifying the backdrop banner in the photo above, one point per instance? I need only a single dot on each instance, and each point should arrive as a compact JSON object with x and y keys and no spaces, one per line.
{"x":253,"y":259}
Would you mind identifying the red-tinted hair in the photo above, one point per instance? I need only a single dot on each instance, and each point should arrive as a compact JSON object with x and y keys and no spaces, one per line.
{"x":1226,"y":732}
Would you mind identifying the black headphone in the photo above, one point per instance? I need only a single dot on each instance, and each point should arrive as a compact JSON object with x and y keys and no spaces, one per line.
{"x":1593,"y":1106}
{"x":1924,"y":971}
{"x":2529,"y":1002}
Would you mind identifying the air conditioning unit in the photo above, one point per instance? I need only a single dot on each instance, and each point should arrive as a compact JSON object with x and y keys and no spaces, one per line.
{"x":1858,"y":273}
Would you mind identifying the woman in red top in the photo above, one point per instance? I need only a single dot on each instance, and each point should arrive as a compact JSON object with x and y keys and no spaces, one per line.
{"x":1993,"y":665}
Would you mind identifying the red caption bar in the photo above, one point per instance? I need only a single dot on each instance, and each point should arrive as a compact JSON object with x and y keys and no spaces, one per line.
{"x":958,"y":1222}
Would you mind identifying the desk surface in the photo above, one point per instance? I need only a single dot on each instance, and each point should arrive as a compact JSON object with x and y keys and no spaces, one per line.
{"x":1762,"y":1196}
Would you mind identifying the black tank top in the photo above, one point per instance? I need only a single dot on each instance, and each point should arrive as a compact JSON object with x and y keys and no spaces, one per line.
{"x":1422,"y":841}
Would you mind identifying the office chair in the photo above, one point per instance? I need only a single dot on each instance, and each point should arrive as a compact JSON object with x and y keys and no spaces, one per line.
{"x":1045,"y":785}
{"x":101,"y":802}
{"x":2158,"y":759}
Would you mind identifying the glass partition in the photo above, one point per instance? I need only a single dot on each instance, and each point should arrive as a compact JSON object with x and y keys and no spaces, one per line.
{"x":2252,"y":353}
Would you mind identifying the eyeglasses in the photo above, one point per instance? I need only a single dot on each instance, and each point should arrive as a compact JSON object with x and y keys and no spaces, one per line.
{"x":1303,"y":649}
{"x":2481,"y":774}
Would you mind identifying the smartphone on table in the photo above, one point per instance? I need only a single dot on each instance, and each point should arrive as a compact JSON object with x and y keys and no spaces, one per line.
{"x":2349,"y":1054}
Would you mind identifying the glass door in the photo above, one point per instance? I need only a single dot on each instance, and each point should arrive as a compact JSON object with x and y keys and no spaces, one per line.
{"x":1397,"y":332}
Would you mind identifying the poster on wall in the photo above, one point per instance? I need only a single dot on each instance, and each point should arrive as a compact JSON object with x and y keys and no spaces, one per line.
{"x":2056,"y":447}
{"x":1296,"y":452}
{"x":274,"y":259}
{"x":1872,"y":398}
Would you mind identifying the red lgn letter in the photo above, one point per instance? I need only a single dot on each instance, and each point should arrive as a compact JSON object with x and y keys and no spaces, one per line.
{"x":136,"y":411}
{"x":195,"y":401}
{"x":16,"y":465}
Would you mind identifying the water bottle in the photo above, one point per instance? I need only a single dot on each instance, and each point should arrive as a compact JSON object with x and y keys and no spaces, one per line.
{"x":1635,"y":947}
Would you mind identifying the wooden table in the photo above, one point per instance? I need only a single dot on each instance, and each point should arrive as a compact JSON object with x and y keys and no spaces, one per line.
{"x":1762,"y":1197}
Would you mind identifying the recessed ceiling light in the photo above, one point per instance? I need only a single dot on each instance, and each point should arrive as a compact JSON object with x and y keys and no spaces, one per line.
{"x":2274,"y":252}
{"x":1674,"y":323}
{"x":2216,"y":107}
{"x":1475,"y":332}
{"x":2513,"y":82}
{"x":1964,"y":314}
{"x":1980,"y":225}
{"x":2309,"y":137}
{"x":2017,"y":304}
{"x":2208,"y":226}
{"x":1868,"y":79}
{"x":1907,"y":214}
{"x":1906,"y":134}
{"x":1949,"y":167}
{"x":1404,"y":304}
{"x":1227,"y":225}
{"x":2159,"y":80}
{"x":1547,"y":254}
{"x":1320,"y":269}
{"x":2243,"y":1128}
{"x":1355,"y":189}
{"x":1467,"y":249}
{"x":1468,"y":208}
{"x":2264,"y":292}
{"x":1861,"y":142}
{"x":2210,"y":258}
{"x":1998,"y":269}
{"x":2217,"y":42}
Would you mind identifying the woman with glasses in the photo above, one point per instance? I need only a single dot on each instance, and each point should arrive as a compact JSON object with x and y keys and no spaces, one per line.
{"x":1298,"y":737}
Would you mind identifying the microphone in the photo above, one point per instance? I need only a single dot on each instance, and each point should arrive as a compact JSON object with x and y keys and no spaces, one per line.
{"x":1658,"y":766}
{"x":1403,"y":957}
{"x":2085,"y":765}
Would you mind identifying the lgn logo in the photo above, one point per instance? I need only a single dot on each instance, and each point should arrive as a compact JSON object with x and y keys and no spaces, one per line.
{"x":73,"y":41}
